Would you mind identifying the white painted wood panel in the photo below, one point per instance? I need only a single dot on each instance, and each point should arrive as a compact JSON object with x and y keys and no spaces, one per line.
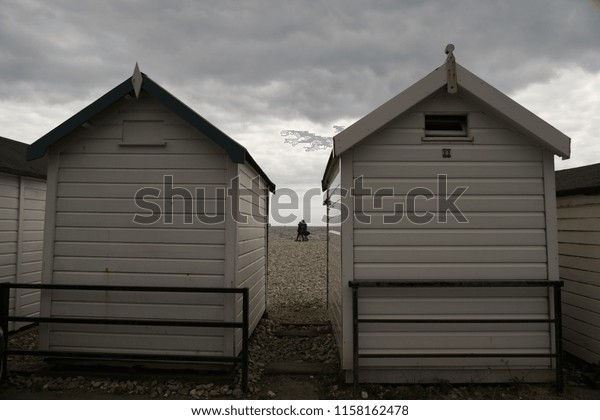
{"x":504,"y":237}
{"x":582,"y":224}
{"x":147,"y":341}
{"x":94,"y":219}
{"x":494,"y":186}
{"x":22,"y":213}
{"x":471,"y":170}
{"x":334,"y":256}
{"x":580,"y":276}
{"x":579,"y":237}
{"x":467,"y":203}
{"x":212,"y":208}
{"x":576,"y":212}
{"x":251,"y":249}
{"x":143,"y":161}
{"x":96,"y":240}
{"x":138,"y":311}
{"x":474,"y":220}
{"x":580,"y":250}
{"x":129,"y":190}
{"x":460,"y":153}
{"x":463,"y":307}
{"x":580,"y":263}
{"x":454,"y":237}
{"x":465,"y":341}
{"x":138,"y":265}
{"x":134,"y":250}
{"x":9,"y":228}
{"x":178,"y":279}
{"x":156,"y":176}
{"x":153,"y":234}
{"x":465,"y":254}
{"x":576,"y":200}
{"x":452,"y":271}
{"x":579,"y":259}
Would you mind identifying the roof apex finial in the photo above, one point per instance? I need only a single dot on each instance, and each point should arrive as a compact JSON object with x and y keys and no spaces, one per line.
{"x":136,"y":80}
{"x":452,"y":81}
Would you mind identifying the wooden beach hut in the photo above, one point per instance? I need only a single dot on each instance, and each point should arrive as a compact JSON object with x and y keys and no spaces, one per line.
{"x":22,"y":202}
{"x":578,"y":201}
{"x":446,"y":185}
{"x":143,"y":191}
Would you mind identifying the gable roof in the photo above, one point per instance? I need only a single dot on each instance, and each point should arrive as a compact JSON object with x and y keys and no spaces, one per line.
{"x":581,"y":180}
{"x":537,"y":129}
{"x":236,"y":151}
{"x":13,"y":160}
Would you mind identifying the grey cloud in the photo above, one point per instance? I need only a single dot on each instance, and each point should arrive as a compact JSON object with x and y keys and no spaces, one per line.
{"x":322,"y":61}
{"x":256,"y":67}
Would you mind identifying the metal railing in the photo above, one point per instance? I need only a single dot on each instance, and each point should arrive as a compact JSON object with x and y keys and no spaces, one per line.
{"x":244,"y":325}
{"x":556,"y":320}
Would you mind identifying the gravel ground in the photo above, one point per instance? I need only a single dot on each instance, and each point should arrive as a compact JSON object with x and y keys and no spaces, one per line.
{"x":296,"y":295}
{"x":297,"y":276}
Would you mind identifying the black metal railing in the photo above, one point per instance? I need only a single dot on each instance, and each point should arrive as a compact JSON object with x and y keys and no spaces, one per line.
{"x":243,"y":325}
{"x":556,"y":320}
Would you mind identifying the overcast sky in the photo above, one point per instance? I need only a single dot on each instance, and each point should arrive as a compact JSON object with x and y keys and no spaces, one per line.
{"x":256,"y":67}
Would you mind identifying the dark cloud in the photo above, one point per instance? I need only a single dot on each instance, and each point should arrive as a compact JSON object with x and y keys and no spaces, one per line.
{"x":261,"y":66}
{"x":330,"y":51}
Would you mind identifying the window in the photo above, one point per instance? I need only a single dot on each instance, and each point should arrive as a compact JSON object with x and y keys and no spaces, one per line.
{"x":446,"y":127}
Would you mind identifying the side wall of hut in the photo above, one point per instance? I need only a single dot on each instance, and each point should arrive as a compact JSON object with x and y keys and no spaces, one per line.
{"x":579,"y":248}
{"x":251,"y":244}
{"x":334,"y":255}
{"x":504,"y":237}
{"x":22,"y":202}
{"x":123,"y":211}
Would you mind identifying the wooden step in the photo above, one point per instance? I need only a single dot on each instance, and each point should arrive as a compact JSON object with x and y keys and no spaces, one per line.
{"x":295,"y":367}
{"x":300,"y":333}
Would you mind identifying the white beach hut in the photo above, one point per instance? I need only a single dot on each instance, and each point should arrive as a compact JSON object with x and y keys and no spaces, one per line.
{"x":449,"y":184}
{"x":22,"y":202}
{"x":143,"y":191}
{"x":578,"y":200}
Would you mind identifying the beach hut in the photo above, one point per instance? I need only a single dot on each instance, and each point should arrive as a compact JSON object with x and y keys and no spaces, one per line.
{"x":143,"y":191}
{"x":578,"y":201}
{"x":22,"y":202}
{"x":442,"y":217}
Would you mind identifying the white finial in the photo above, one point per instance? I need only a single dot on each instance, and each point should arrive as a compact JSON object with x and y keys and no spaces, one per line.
{"x":137,"y":80}
{"x":452,"y":81}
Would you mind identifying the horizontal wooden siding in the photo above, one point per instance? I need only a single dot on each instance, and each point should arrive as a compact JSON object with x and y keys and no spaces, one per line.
{"x":502,"y":236}
{"x":579,"y":259}
{"x":97,"y":240}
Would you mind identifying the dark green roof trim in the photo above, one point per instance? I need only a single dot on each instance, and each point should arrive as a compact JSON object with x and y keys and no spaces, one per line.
{"x":236,"y":151}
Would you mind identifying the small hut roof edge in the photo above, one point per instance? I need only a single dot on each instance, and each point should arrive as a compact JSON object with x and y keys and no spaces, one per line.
{"x":237,"y":152}
{"x":13,"y":160}
{"x":581,"y":180}
{"x":469,"y":85}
